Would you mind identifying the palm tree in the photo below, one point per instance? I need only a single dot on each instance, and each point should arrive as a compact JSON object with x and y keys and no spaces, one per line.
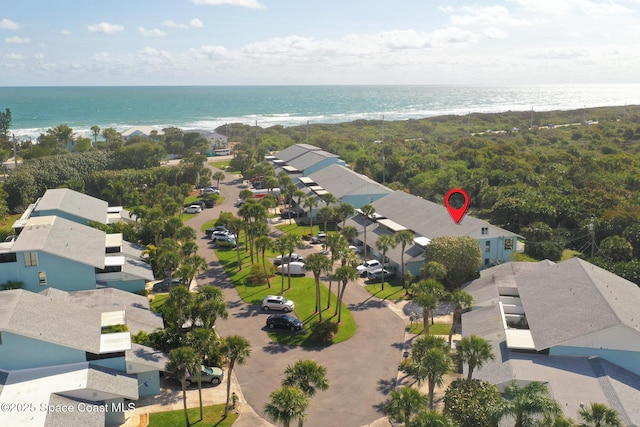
{"x":287,"y":404}
{"x":280,"y":245}
{"x":237,"y":349}
{"x":328,"y":198}
{"x":337,"y":245}
{"x":428,"y":294}
{"x":218,"y":176}
{"x":95,"y":130}
{"x":203,"y":342}
{"x":235,"y":225}
{"x":307,"y":375}
{"x":349,"y":232}
{"x":383,"y":244}
{"x":344,"y":274}
{"x":367,"y":211}
{"x":318,"y":264}
{"x":431,"y":419}
{"x":403,"y":402}
{"x":183,"y":361}
{"x":526,"y":403}
{"x":599,"y":415}
{"x":262,"y":244}
{"x":403,"y":238}
{"x":325,"y":214}
{"x":474,"y":351}
{"x":310,"y":202}
{"x":177,"y":306}
{"x":345,"y":211}
{"x":430,"y":361}
{"x":462,"y":300}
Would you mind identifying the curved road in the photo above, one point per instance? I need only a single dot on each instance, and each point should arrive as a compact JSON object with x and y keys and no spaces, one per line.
{"x":361,"y":371}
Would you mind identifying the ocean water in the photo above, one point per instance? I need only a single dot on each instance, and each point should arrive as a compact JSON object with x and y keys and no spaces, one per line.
{"x":35,"y":109}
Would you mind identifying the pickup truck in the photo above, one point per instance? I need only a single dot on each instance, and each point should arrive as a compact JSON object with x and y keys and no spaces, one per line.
{"x":370,"y":265}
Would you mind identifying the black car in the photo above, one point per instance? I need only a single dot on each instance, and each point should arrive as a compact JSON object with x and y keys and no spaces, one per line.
{"x":289,"y":214}
{"x":284,"y":321}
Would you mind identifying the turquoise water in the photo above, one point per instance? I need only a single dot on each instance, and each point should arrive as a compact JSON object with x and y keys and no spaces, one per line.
{"x":36,"y":109}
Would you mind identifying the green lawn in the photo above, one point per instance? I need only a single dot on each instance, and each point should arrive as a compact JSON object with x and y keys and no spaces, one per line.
{"x":392,"y":290}
{"x":158,"y":301}
{"x":213,"y":417}
{"x":436,"y":329}
{"x":302,"y":291}
{"x":299,"y":230}
{"x":221,"y":164}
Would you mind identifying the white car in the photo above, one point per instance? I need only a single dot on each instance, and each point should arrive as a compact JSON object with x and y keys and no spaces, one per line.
{"x":367,"y":266}
{"x":193,"y":209}
{"x":277,"y":302}
{"x":209,"y":190}
{"x":354,"y":249}
{"x":295,"y":267}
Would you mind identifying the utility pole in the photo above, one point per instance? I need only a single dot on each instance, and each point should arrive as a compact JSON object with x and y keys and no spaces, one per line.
{"x":592,"y":233}
{"x":15,"y":151}
{"x":307,"y":131}
{"x":383,"y":158}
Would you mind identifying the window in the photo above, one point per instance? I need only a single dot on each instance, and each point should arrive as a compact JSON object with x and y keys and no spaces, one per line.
{"x":30,"y":259}
{"x":0,"y":337}
{"x":8,"y":257}
{"x":42,"y":278}
{"x":508,"y":244}
{"x":486,"y":262}
{"x":485,"y":230}
{"x":487,"y":246}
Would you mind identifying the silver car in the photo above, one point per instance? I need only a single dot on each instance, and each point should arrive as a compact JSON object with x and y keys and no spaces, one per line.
{"x":276,"y":302}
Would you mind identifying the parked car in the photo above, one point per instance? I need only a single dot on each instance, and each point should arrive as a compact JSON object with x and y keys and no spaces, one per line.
{"x":376,"y":275}
{"x":165,"y":286}
{"x":354,"y":249}
{"x":277,"y":302}
{"x":319,"y":238}
{"x":284,"y":321}
{"x":219,"y":233}
{"x":224,"y":241}
{"x":209,"y":190}
{"x":289,"y":214}
{"x":294,"y":257}
{"x":239,"y":202}
{"x":193,"y":209}
{"x":209,"y":231}
{"x":367,"y":266}
{"x":296,"y":268}
{"x":208,"y":374}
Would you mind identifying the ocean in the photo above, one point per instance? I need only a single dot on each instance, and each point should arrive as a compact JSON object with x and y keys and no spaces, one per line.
{"x":35,"y":109}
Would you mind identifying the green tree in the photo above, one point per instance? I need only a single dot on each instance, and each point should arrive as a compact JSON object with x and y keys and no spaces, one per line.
{"x":431,"y":419}
{"x":203,"y":341}
{"x":287,"y":404}
{"x":368,"y":212}
{"x":307,"y":375}
{"x":218,"y":176}
{"x":344,"y":274}
{"x":262,"y":244}
{"x":318,"y":264}
{"x":474,"y":351}
{"x":310,"y":203}
{"x":460,"y":255}
{"x":345,"y":210}
{"x":429,"y":362}
{"x":349,"y":232}
{"x":462,"y":301}
{"x":95,"y":130}
{"x":292,"y":242}
{"x":208,"y":306}
{"x":525,"y":403}
{"x":281,"y":245}
{"x":337,"y":246}
{"x":383,"y":244}
{"x":325,"y":214}
{"x":5,"y":123}
{"x":182,"y":362}
{"x":403,"y":403}
{"x":616,"y":249}
{"x":237,"y":350}
{"x":403,"y":238}
{"x":140,"y":155}
{"x":428,"y":294}
{"x":177,"y":306}
{"x":235,"y":225}
{"x":469,"y":403}
{"x":599,"y":415}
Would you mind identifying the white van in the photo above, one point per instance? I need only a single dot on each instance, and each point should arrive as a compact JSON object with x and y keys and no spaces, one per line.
{"x":296,"y":268}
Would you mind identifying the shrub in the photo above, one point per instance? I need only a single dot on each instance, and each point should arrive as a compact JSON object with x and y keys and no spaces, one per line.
{"x":324,"y":332}
{"x":258,"y":276}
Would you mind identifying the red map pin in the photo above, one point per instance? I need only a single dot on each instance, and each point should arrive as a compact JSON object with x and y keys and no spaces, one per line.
{"x":459,"y":205}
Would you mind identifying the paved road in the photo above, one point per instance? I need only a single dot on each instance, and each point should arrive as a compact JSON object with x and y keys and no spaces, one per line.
{"x":361,"y":371}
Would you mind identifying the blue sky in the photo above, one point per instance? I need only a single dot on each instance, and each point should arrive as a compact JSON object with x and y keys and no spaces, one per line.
{"x":287,"y":42}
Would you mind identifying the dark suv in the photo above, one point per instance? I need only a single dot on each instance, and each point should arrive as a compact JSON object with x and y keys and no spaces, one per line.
{"x":284,"y":321}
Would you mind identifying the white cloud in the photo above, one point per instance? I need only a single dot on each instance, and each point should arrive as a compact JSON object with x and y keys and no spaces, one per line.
{"x":38,"y":56}
{"x":171,"y":24}
{"x":105,"y":27}
{"x":483,"y":16}
{"x":154,"y":56}
{"x":209,"y":52}
{"x":154,"y":32}
{"x":13,"y":56}
{"x":65,"y":32}
{"x":251,"y":4}
{"x":196,"y":23}
{"x":555,"y":7}
{"x":494,"y":33}
{"x":18,"y":40}
{"x":7,"y":24}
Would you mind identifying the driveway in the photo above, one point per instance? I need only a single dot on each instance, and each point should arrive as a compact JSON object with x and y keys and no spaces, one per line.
{"x":361,"y":371}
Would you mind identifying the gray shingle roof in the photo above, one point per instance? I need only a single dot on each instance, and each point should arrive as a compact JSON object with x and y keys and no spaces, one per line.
{"x":74,"y":203}
{"x":581,"y":297}
{"x":341,"y":181}
{"x":296,"y":150}
{"x":75,"y":418}
{"x":63,"y":238}
{"x":49,"y":319}
{"x":431,"y":219}
{"x":309,"y":159}
{"x":150,"y":357}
